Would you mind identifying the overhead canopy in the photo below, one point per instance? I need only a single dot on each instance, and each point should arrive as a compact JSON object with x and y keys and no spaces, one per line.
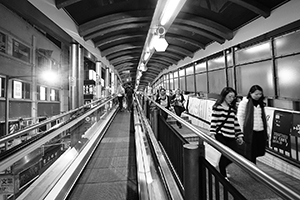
{"x":118,"y":28}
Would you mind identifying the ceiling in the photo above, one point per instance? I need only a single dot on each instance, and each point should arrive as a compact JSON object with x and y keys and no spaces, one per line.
{"x":119,"y":28}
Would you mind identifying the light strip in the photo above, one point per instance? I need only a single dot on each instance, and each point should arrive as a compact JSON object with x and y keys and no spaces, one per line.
{"x":168,"y":11}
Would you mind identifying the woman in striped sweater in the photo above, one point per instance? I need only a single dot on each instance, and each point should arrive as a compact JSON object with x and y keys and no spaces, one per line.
{"x":224,"y":125}
{"x":252,"y":119}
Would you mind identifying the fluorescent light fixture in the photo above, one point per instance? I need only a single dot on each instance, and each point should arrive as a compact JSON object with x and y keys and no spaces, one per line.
{"x":146,"y":55}
{"x":153,"y":41}
{"x":168,"y":11}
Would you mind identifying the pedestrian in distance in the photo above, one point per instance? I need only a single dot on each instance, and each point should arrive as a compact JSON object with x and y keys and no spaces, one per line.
{"x":252,"y":119}
{"x":224,"y":126}
{"x":121,"y":93}
{"x":164,"y":100}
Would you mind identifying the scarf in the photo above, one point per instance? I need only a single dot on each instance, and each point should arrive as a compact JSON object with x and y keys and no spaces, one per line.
{"x":248,"y":123}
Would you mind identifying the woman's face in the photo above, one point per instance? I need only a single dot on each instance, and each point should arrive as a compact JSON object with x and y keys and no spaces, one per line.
{"x":229,"y":98}
{"x":177,"y":92}
{"x":256,"y":95}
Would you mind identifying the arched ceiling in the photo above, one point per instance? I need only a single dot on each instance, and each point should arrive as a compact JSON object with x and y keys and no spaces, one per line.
{"x":118,"y":28}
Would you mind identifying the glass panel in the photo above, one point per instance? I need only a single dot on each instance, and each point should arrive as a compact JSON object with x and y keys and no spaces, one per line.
{"x":230,"y":77}
{"x":256,"y":52}
{"x":201,"y":82}
{"x":287,"y":44}
{"x":68,"y":143}
{"x":189,"y":70}
{"x":2,"y":42}
{"x":217,"y":81}
{"x":182,"y":72}
{"x":216,"y":63}
{"x":201,"y":67}
{"x":171,"y":84}
{"x":175,"y":74}
{"x":17,"y":90}
{"x":255,"y":74}
{"x":229,"y":59}
{"x":176,"y":86}
{"x":288,"y":77}
{"x":2,"y":86}
{"x":190,"y":87}
{"x":21,"y":51}
{"x":171,"y":75}
{"x":182,"y":83}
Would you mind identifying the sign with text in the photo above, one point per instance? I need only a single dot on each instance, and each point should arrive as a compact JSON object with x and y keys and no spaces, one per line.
{"x":282,"y":123}
{"x":296,"y":125}
{"x":6,"y":184}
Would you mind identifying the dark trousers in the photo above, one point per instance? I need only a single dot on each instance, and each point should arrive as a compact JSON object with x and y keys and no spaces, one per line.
{"x":224,"y":161}
{"x":257,"y":147}
{"x":178,"y":111}
{"x":120,"y":99}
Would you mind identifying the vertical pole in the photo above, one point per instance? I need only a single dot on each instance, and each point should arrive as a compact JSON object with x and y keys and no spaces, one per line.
{"x":80,"y":75}
{"x":34,"y":106}
{"x":155,"y":122}
{"x":99,"y":74}
{"x":73,"y":76}
{"x":6,"y":108}
{"x":191,"y":171}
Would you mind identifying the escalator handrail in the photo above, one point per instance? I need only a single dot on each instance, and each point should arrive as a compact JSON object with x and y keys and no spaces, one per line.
{"x":17,"y":134}
{"x":276,"y":186}
{"x":10,"y":160}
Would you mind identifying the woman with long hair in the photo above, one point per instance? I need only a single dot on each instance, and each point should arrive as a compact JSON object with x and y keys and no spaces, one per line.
{"x":178,"y":103}
{"x":224,"y":125}
{"x":164,"y":100}
{"x":252,"y":119}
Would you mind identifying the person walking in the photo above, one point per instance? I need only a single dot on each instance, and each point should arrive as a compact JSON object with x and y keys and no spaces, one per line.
{"x":252,"y":118}
{"x":164,"y":100}
{"x":129,"y":97}
{"x":224,"y":126}
{"x":178,"y":102}
{"x":121,"y":92}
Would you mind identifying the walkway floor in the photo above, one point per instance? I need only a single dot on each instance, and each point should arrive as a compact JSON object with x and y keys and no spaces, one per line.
{"x":252,"y":189}
{"x":111,"y":172}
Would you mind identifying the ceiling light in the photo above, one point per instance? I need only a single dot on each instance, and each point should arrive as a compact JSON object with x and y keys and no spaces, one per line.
{"x":161,"y":45}
{"x":168,"y":11}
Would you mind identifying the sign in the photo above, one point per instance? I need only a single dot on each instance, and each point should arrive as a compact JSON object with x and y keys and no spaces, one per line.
{"x":282,"y":123}
{"x":6,"y":184}
{"x":296,"y":125}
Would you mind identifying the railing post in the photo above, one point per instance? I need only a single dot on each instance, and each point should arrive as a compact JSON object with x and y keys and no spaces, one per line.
{"x":191,"y":171}
{"x":155,"y":122}
{"x":202,"y":170}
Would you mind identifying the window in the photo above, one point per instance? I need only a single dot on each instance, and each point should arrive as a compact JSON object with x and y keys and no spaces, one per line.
{"x":21,"y":90}
{"x":42,"y":61}
{"x":54,"y":95}
{"x":2,"y":42}
{"x":2,"y":86}
{"x":42,"y":93}
{"x":21,"y":51}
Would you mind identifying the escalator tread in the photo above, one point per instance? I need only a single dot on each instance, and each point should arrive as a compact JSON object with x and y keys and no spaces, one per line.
{"x":111,"y":172}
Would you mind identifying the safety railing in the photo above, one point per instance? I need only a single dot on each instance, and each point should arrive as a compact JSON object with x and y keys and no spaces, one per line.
{"x":24,"y":163}
{"x":209,"y":182}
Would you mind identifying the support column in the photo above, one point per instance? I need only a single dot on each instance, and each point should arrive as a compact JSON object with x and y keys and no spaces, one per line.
{"x":80,"y":75}
{"x":106,"y":82}
{"x":191,"y":172}
{"x":34,"y":104}
{"x":98,"y":84}
{"x":73,"y":77}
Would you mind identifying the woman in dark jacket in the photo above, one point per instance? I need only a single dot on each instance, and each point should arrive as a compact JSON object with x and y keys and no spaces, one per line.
{"x":164,"y":101}
{"x":178,"y":103}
